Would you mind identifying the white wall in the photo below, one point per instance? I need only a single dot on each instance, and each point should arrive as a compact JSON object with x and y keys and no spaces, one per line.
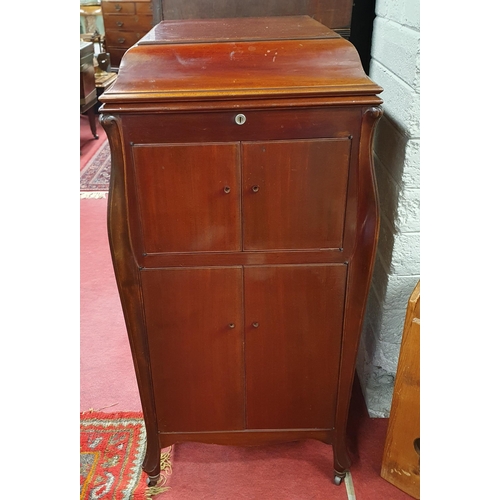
{"x":395,"y":66}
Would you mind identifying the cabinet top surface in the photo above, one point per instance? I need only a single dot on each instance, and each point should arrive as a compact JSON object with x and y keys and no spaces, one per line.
{"x":237,"y":30}
{"x":235,"y":58}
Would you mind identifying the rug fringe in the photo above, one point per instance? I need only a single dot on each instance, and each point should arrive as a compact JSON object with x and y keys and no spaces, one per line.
{"x":155,"y":490}
{"x":93,"y":194}
{"x":166,"y":467}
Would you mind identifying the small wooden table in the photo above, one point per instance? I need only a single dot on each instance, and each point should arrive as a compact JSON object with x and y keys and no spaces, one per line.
{"x":88,"y":95}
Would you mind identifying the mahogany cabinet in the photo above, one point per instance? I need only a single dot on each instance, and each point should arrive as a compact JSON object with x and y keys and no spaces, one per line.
{"x":125,"y":23}
{"x":243,"y":221}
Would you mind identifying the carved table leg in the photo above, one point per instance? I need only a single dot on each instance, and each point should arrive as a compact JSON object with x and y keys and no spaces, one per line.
{"x":92,"y":121}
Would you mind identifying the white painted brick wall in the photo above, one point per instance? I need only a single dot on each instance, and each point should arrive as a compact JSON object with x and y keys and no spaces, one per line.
{"x":396,"y":67}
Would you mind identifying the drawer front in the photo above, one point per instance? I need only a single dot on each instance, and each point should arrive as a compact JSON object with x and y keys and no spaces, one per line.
{"x":123,"y":39}
{"x":128,"y":23}
{"x":118,"y":8}
{"x":144,"y":8}
{"x":259,"y":125}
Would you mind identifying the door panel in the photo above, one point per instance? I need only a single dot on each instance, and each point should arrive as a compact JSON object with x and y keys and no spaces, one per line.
{"x":294,"y":193}
{"x":292,"y":355}
{"x":189,"y":197}
{"x":194,"y":320}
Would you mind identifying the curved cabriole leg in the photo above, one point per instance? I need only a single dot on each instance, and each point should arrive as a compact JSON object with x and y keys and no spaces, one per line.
{"x":127,"y":273}
{"x":341,"y":460}
{"x":359,"y":273}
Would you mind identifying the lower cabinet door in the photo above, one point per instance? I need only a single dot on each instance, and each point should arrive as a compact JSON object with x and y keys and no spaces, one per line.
{"x":194,"y":320}
{"x":293,"y":325}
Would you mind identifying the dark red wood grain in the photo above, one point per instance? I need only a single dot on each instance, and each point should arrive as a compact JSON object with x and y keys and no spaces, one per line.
{"x":243,"y":253}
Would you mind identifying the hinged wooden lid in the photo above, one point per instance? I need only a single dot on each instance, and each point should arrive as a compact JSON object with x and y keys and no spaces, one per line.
{"x":210,"y":59}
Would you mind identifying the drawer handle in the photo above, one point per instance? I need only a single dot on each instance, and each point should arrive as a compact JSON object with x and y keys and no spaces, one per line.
{"x":121,"y":40}
{"x":231,"y":325}
{"x":240,"y":119}
{"x":119,"y":24}
{"x":227,"y":189}
{"x":255,"y":189}
{"x":255,"y":324}
{"x":118,"y":7}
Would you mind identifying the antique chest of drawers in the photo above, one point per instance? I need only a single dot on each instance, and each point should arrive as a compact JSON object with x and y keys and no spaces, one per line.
{"x":125,"y":23}
{"x":243,"y":221}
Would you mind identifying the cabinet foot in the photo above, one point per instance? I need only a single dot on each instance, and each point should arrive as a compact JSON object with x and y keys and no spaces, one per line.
{"x":338,"y":477}
{"x":152,"y":480}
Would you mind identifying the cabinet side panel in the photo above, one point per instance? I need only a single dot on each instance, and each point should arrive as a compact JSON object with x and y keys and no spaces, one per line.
{"x":292,"y":356}
{"x":194,"y":323}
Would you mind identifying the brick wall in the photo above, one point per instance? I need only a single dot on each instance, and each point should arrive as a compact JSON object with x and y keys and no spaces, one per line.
{"x":395,"y":65}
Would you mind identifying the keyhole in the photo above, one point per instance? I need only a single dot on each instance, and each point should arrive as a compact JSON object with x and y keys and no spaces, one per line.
{"x":240,"y":119}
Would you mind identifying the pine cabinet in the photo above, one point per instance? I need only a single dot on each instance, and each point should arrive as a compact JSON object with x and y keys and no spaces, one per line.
{"x":243,"y":221}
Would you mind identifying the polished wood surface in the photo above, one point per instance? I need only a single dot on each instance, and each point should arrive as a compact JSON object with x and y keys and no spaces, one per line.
{"x":308,"y":64}
{"x":243,"y":250}
{"x":189,"y":197}
{"x":294,"y":193}
{"x":195,"y":324}
{"x":293,"y":325}
{"x":213,"y":31}
{"x":401,"y":459}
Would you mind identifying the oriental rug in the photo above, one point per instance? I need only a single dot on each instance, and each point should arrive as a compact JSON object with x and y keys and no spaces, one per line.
{"x":112,"y":448}
{"x":94,"y":177}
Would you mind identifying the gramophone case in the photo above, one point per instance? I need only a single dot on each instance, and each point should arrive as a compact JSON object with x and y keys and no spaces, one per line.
{"x":243,"y":221}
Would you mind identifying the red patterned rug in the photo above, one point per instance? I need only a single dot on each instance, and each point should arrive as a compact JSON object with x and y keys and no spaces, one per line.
{"x":94,"y":177}
{"x":112,"y":448}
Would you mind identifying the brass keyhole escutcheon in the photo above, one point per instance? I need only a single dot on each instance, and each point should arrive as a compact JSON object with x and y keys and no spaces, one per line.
{"x":231,"y":325}
{"x":255,"y":324}
{"x":227,"y":189}
{"x":255,"y":189}
{"x":240,"y":119}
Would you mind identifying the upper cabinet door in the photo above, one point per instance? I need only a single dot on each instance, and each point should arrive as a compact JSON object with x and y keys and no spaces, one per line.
{"x":188,"y":196}
{"x":294,"y":193}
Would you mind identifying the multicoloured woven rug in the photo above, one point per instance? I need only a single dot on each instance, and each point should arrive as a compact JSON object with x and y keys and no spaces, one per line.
{"x":94,"y":177}
{"x":112,"y":448}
